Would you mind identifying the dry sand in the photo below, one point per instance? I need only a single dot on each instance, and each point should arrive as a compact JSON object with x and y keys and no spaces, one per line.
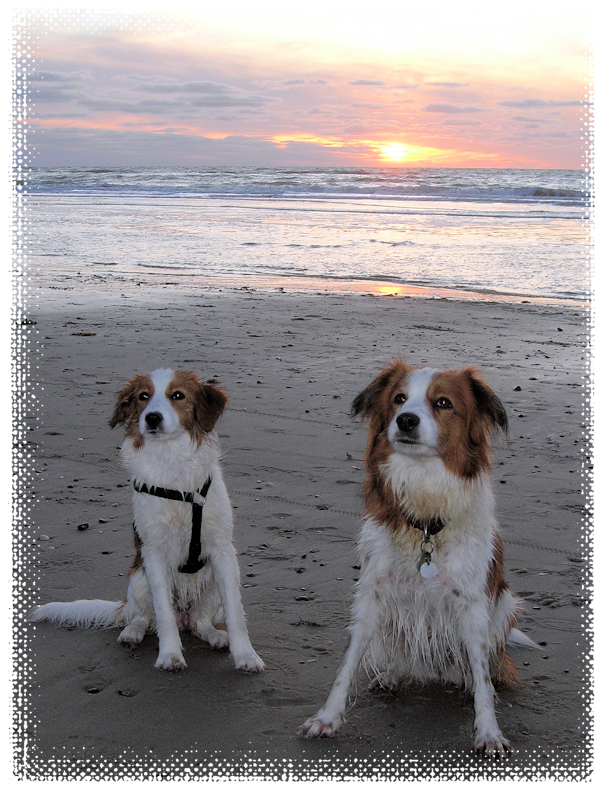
{"x":292,"y":363}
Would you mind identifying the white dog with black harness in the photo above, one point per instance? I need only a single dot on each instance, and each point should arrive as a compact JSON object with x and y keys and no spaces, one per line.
{"x":185,"y":574}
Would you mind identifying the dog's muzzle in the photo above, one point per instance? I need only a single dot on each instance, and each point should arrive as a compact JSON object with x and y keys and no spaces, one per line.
{"x":153,"y":421}
{"x":408,"y":424}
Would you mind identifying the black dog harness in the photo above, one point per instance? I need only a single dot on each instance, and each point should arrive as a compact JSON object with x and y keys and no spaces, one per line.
{"x":197,"y":499}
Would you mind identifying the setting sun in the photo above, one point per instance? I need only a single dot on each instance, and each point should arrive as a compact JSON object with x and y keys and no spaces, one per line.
{"x":402,"y":152}
{"x":395,"y":151}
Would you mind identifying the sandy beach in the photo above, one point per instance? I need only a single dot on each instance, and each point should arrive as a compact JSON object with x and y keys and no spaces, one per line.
{"x":291,"y":364}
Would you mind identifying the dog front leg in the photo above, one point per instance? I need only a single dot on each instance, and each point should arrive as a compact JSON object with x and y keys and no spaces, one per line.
{"x":170,"y":651}
{"x":367,"y":615}
{"x":227,"y":577}
{"x":489,"y":740}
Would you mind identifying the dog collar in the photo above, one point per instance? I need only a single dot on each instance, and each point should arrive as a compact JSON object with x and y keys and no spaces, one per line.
{"x":430,"y":527}
{"x":197,"y":499}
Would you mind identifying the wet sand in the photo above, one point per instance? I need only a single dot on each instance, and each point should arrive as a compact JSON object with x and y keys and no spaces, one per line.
{"x":292,"y":363}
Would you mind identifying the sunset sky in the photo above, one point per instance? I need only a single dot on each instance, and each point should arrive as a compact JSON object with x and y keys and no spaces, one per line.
{"x":327,"y":84}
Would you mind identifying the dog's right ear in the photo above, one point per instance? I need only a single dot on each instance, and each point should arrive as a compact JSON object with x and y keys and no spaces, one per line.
{"x":124,"y":406}
{"x":365,"y":402}
{"x":489,"y":405}
{"x":210,"y":404}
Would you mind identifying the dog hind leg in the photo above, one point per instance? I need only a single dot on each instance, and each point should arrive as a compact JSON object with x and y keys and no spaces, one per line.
{"x":137,"y":609}
{"x":204,"y":618}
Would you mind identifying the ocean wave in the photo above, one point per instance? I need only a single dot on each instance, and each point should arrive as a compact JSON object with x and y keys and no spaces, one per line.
{"x":427,"y":184}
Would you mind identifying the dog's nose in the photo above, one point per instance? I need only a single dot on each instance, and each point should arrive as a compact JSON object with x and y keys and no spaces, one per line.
{"x":407,"y":421}
{"x":153,"y":420}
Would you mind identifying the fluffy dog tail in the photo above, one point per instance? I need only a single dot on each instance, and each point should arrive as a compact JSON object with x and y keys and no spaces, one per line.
{"x":81,"y":613}
{"x":517,"y":638}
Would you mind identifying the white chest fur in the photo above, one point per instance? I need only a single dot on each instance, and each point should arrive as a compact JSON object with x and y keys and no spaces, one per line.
{"x":420,"y":639}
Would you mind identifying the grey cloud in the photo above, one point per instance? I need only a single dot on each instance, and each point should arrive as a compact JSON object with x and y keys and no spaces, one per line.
{"x":110,"y":104}
{"x":62,"y":116}
{"x":442,"y":107}
{"x":542,"y":103}
{"x":207,"y":87}
{"x":529,"y":118}
{"x":363,"y":129}
{"x":89,"y":148}
{"x":52,"y":76}
{"x":53,"y":86}
{"x":159,"y":79}
{"x":460,"y":122}
{"x":231,"y":100}
{"x":208,"y":93}
{"x":252,"y":111}
{"x":367,"y":105}
{"x":294,"y":82}
{"x":153,"y":104}
{"x":198,"y":86}
{"x":448,"y":84}
{"x":50,"y":94}
{"x":367,"y":82}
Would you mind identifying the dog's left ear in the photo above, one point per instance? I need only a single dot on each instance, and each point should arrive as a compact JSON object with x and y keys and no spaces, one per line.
{"x":210,"y":404}
{"x":364,"y":404}
{"x":123,"y":407}
{"x":488,"y":404}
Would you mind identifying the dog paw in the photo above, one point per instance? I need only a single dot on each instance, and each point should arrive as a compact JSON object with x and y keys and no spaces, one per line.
{"x":170,"y":661}
{"x":131,"y":635}
{"x":319,"y":727}
{"x":249,"y":661}
{"x":493,"y":745}
{"x":219,"y":639}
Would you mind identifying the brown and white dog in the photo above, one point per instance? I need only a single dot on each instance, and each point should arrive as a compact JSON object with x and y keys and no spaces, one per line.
{"x":185,"y":573}
{"x":431,"y":602}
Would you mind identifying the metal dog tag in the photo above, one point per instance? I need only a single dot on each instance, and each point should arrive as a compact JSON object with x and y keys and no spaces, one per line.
{"x":426,"y":566}
{"x":428,"y":570}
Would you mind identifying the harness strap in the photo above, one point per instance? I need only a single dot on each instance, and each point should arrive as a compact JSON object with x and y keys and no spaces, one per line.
{"x":197,"y":499}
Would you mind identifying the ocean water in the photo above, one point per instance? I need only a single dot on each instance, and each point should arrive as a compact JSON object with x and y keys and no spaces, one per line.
{"x":514,"y":234}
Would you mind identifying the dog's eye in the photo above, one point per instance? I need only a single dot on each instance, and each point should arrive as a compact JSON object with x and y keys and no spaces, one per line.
{"x":178,"y":395}
{"x":144,"y":396}
{"x":444,"y":403}
{"x":399,"y":398}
